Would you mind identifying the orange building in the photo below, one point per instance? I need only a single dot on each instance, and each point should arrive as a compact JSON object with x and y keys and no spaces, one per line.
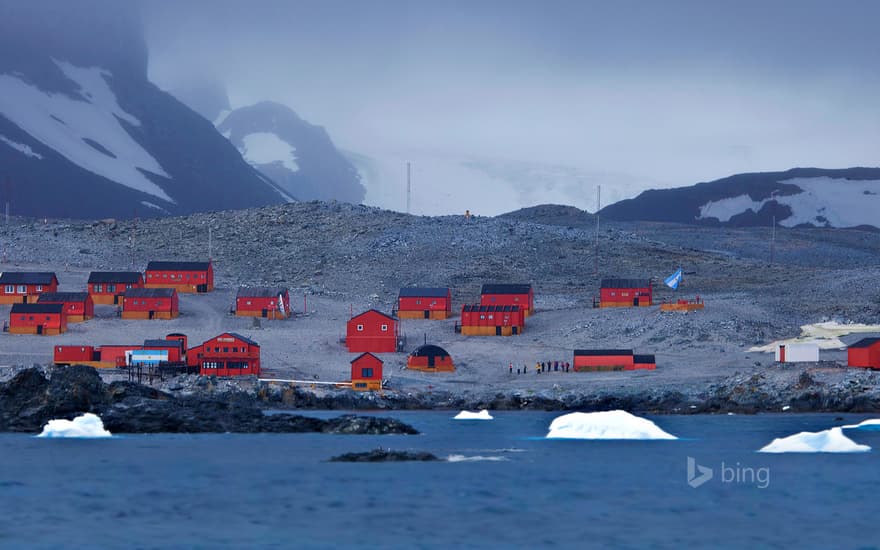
{"x":430,"y":358}
{"x":107,"y":287}
{"x":366,"y":372}
{"x":150,"y":303}
{"x":22,"y":287}
{"x":45,"y":319}
{"x":181,"y":276}
{"x":78,"y":306}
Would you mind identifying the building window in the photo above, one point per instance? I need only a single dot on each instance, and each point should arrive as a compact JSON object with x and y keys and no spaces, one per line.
{"x":164,"y":275}
{"x":418,"y":302}
{"x":111,"y":288}
{"x":248,"y":302}
{"x":482,"y":316}
{"x":39,"y":288}
{"x":22,"y":289}
{"x":98,"y":288}
{"x":9,"y":289}
{"x":360,"y":328}
{"x":48,"y":318}
{"x":31,"y":318}
{"x":127,"y":286}
{"x":613,"y":293}
{"x":367,"y":372}
{"x":225,"y":350}
{"x":384,"y":328}
{"x":360,"y":384}
{"x":491,"y":317}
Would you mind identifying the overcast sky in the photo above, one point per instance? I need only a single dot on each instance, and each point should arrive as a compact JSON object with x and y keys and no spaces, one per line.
{"x":672,"y":92}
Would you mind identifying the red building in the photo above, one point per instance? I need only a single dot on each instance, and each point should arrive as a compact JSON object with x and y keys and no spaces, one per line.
{"x":430,"y":358}
{"x":228,"y":354}
{"x":22,"y":287}
{"x":372,"y":331}
{"x":150,"y":303}
{"x":47,"y":319}
{"x":173,"y":349}
{"x":269,"y":303}
{"x":520,"y":295}
{"x":366,"y":372}
{"x":181,"y":276}
{"x":107,"y":287}
{"x":424,"y":303}
{"x":480,"y":320}
{"x":78,"y":306}
{"x":864,"y":353}
{"x":610,"y":360}
{"x":625,"y":293}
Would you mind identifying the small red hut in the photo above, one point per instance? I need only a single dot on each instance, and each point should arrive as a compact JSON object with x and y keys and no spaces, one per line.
{"x":366,"y":372}
{"x":78,"y":306}
{"x":107,"y":287}
{"x":150,"y":303}
{"x":372,"y":331}
{"x":625,"y":293}
{"x":865,"y":353}
{"x":521,"y":295}
{"x":610,"y":360}
{"x":430,"y":358}
{"x":22,"y":287}
{"x":269,"y":303}
{"x":480,"y":320}
{"x":181,"y":276}
{"x":46,"y":319}
{"x":424,"y":303}
{"x":229,"y":354}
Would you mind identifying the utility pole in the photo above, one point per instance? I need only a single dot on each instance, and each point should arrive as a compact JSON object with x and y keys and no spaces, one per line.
{"x":408,"y":185}
{"x":598,"y":207}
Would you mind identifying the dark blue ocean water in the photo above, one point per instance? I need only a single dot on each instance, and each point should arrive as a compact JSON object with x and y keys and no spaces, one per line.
{"x":210,"y":491}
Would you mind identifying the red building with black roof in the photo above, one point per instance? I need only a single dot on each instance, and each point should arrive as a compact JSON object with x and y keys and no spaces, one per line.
{"x":181,"y":276}
{"x":229,"y":354}
{"x":480,"y":320}
{"x":78,"y":306}
{"x":45,"y":319}
{"x":372,"y":331}
{"x":521,"y":295}
{"x":265,"y":302}
{"x":610,"y":360}
{"x":865,"y":353}
{"x":625,"y":293}
{"x":22,"y":287}
{"x":366,"y":372}
{"x":107,"y":287}
{"x":430,"y":358}
{"x":424,"y":303}
{"x":150,"y":303}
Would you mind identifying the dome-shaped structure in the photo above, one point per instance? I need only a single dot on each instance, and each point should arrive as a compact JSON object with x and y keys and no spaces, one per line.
{"x":430,"y":358}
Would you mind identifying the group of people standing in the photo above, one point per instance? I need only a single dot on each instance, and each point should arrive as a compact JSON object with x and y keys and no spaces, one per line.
{"x":547,"y":366}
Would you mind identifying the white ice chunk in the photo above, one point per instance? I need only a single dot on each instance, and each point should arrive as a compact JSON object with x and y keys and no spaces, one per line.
{"x":870,"y":424}
{"x":87,"y":425}
{"x":826,"y":441}
{"x":468,"y":415}
{"x":605,"y":425}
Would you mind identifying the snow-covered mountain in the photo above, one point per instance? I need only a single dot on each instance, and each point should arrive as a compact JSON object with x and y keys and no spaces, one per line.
{"x":85,"y":134}
{"x":298,"y":156}
{"x":800,"y":197}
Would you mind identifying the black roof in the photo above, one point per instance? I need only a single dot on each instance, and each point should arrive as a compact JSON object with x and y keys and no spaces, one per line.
{"x":603,"y":352}
{"x":643,"y":359}
{"x":242,"y":338}
{"x":149,"y":292}
{"x":27,"y":277}
{"x":37,"y":308}
{"x":367,"y":353}
{"x":625,"y":283}
{"x":377,"y":311}
{"x":115,"y":277}
{"x":260,"y":291}
{"x":178,"y":266}
{"x":490,"y":309}
{"x":429,"y":292}
{"x":506,"y":289}
{"x":865,"y":343}
{"x":163,"y":343}
{"x":49,"y":297}
{"x":429,"y":350}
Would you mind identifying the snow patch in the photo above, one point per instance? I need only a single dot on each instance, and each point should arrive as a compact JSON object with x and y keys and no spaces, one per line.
{"x":62,"y":123}
{"x":826,"y":335}
{"x":221,"y":117}
{"x":605,"y":425}
{"x":463,"y":458}
{"x":725,"y":209}
{"x":468,"y":415}
{"x":826,"y":441}
{"x":21,"y":147}
{"x":87,"y":425}
{"x":871,"y":424}
{"x":266,"y":148}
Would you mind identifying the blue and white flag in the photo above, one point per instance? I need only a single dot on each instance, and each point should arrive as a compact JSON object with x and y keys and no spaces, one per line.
{"x":673,"y":280}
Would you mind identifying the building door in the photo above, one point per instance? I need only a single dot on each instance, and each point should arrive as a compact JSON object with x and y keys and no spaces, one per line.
{"x":497,"y":331}
{"x":265,"y":313}
{"x":24,"y":299}
{"x":152,"y":314}
{"x":636,"y":301}
{"x":427,"y":314}
{"x":515,"y":330}
{"x":202,"y":288}
{"x":431,"y":361}
{"x":782,"y":354}
{"x":116,"y":299}
{"x":39,"y":329}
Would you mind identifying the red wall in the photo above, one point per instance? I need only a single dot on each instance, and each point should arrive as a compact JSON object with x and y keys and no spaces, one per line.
{"x":70,"y":354}
{"x":498,"y":318}
{"x":215,"y":355}
{"x":259,"y":303}
{"x":864,"y":357}
{"x":525,"y":301}
{"x":163,"y":277}
{"x":29,"y":289}
{"x":119,"y":288}
{"x":366,"y":361}
{"x":85,"y":308}
{"x":625,"y":361}
{"x":48,"y":320}
{"x":151,"y":304}
{"x":625,"y":295}
{"x":410,"y":303}
{"x":371,"y":338}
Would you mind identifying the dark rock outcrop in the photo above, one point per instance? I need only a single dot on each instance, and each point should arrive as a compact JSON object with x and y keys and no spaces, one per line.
{"x":386,"y":455}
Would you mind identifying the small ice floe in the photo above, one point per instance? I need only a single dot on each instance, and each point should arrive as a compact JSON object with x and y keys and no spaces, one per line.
{"x":87,"y":425}
{"x":870,"y":424}
{"x":826,"y":441}
{"x":605,"y":425}
{"x":787,"y":407}
{"x":478,"y":458}
{"x":468,"y":415}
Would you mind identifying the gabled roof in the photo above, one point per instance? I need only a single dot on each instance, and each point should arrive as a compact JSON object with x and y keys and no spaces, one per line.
{"x":126,"y":277}
{"x":593,"y":352}
{"x":506,"y":289}
{"x":60,"y":297}
{"x":429,"y":350}
{"x":149,"y":292}
{"x":366,"y":353}
{"x":178,"y":266}
{"x":27,"y":278}
{"x":260,"y":292}
{"x":423,"y":291}
{"x":37,"y":308}
{"x":865,"y":343}
{"x":244,"y":339}
{"x":625,"y":283}
{"x":489,"y":309}
{"x":375,"y":311}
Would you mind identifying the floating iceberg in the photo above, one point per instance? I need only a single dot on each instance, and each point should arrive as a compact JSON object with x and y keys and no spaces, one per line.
{"x":87,"y":425}
{"x":826,"y":441}
{"x":870,"y":424}
{"x":477,"y":458}
{"x":468,"y":415}
{"x":605,"y":425}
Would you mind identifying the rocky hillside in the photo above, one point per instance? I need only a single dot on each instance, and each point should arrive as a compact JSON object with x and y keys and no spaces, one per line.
{"x":801,"y":197}
{"x":85,"y":134}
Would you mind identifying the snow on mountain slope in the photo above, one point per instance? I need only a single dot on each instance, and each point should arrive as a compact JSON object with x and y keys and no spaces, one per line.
{"x":266,"y":148}
{"x":823,"y":201}
{"x":21,"y":148}
{"x":73,"y":125}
